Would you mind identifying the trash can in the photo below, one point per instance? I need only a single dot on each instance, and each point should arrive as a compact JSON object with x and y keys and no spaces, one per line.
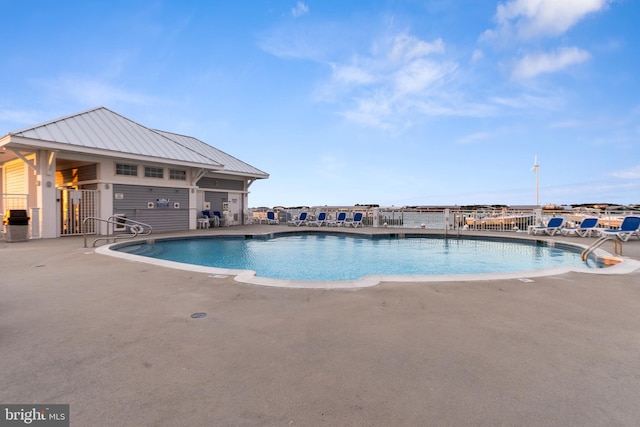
{"x":16,"y":223}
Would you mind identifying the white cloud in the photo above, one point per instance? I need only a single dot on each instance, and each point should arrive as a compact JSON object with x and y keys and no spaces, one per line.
{"x":474,"y":137}
{"x":372,"y":111}
{"x":397,"y":82}
{"x":299,"y":10}
{"x":418,"y":76}
{"x":477,"y":55}
{"x":537,"y":101}
{"x":306,"y":42}
{"x":528,"y":19}
{"x":631,"y":173}
{"x":535,"y":64}
{"x":20,"y":116}
{"x":352,"y":75}
{"x":406,"y":47}
{"x":400,"y":75}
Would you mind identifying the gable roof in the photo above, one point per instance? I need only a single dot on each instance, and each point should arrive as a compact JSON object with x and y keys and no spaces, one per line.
{"x":230,"y":163}
{"x":104,"y":130}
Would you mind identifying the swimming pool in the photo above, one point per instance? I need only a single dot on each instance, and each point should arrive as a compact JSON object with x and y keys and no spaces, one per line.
{"x":348,"y":257}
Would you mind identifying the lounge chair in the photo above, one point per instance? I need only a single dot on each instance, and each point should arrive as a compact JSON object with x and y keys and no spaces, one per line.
{"x":322,"y":219}
{"x":214,"y":221}
{"x":553,"y":227}
{"x":355,"y":222}
{"x":271,"y":218}
{"x":222,"y":220}
{"x":339,"y":221}
{"x":302,"y":220}
{"x":586,"y":227}
{"x":630,"y":226}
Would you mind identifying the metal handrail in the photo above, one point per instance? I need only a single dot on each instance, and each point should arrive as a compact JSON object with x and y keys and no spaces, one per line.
{"x":135,"y":228}
{"x":617,"y":247}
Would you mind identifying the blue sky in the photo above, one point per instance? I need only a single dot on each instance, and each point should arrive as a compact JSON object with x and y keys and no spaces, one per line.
{"x":343,"y":102}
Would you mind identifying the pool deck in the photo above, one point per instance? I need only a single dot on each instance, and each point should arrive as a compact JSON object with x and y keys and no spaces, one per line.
{"x":115,"y":339}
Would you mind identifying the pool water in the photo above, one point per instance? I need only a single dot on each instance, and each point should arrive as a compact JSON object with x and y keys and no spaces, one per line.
{"x":344,"y":257}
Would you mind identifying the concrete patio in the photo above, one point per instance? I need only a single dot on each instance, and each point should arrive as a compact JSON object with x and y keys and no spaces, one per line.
{"x":116,"y":340}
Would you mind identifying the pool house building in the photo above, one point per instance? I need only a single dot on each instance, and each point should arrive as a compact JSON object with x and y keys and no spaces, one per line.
{"x":98,"y":163}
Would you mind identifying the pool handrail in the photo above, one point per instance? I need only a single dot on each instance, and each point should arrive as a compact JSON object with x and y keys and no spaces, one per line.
{"x":135,"y":228}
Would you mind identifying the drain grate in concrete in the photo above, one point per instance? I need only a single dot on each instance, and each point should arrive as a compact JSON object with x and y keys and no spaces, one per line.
{"x":198,"y":315}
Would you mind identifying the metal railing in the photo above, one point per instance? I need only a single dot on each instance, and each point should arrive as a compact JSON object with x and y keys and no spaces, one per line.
{"x":427,"y":218}
{"x":132,"y":228}
{"x":617,"y":247}
{"x":454,"y":218}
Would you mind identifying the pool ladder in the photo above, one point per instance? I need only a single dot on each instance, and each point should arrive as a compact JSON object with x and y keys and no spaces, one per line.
{"x":134,"y":228}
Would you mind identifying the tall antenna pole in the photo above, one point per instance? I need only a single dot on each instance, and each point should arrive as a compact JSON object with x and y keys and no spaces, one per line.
{"x":535,"y":170}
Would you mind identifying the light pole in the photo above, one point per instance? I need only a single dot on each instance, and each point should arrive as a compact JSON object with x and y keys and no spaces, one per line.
{"x":535,"y":170}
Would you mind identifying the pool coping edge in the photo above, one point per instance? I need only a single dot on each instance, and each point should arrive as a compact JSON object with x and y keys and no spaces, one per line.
{"x":623,"y":265}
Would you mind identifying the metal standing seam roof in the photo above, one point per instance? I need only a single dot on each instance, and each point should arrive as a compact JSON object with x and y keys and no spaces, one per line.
{"x":231,"y":164}
{"x":101,"y":128}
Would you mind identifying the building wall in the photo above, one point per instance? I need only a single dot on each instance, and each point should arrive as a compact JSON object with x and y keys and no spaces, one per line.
{"x":215,"y":199}
{"x":79,"y":174}
{"x":219,"y":184}
{"x":147,"y":204}
{"x":119,"y":194}
{"x":221,"y":192}
{"x":16,"y":179}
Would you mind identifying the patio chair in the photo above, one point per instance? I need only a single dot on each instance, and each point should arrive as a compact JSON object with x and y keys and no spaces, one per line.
{"x":630,"y":226}
{"x":214,"y":221}
{"x":586,"y":227}
{"x":302,"y":220}
{"x":553,"y":227}
{"x":322,"y":219}
{"x":222,"y":220}
{"x":271,"y":218}
{"x":355,"y":222}
{"x":339,"y":221}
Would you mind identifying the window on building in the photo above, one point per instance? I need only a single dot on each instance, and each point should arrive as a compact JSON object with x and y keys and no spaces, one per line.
{"x":178,"y":174}
{"x":124,"y":169}
{"x":151,"y":172}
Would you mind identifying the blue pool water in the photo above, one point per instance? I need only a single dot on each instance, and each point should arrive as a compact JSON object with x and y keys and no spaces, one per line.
{"x":345,"y":257}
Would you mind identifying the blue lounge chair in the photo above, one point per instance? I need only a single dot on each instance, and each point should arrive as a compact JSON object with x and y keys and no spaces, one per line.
{"x":271,"y":218}
{"x":302,"y":220}
{"x":553,"y":226}
{"x":222,"y":221}
{"x":339,"y":221}
{"x":586,"y":227}
{"x":214,"y":221}
{"x":630,"y":226}
{"x":355,"y":222}
{"x":322,"y":219}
